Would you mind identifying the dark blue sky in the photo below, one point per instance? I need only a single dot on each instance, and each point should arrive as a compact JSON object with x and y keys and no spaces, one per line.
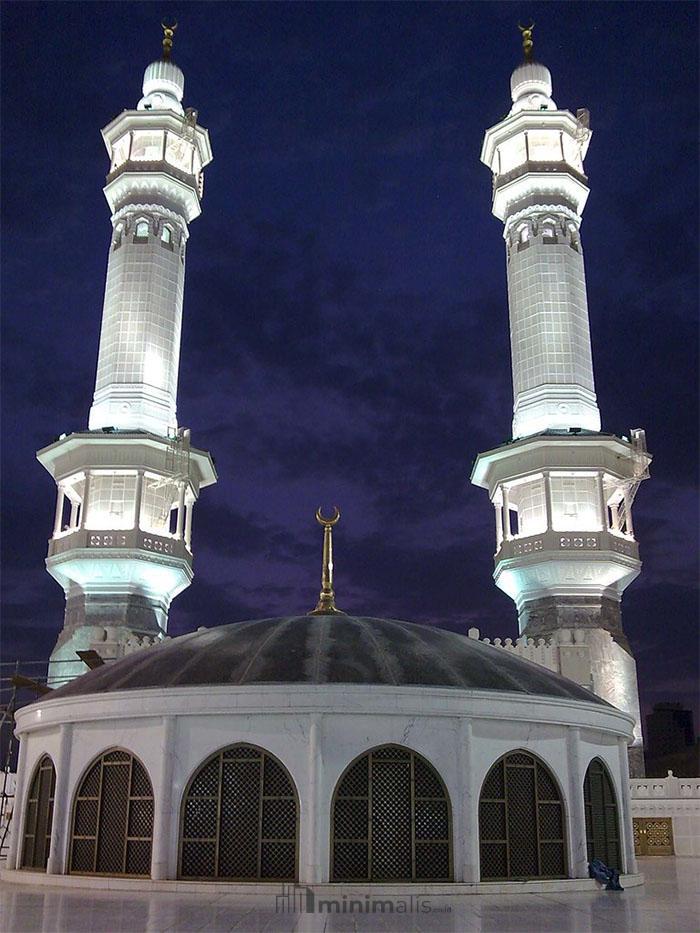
{"x":346,"y":331}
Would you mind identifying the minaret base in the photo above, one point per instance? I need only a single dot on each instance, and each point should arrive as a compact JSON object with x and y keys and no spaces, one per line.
{"x":143,"y":615}
{"x":540,"y":618}
{"x":593,"y":621}
{"x":110,"y":624}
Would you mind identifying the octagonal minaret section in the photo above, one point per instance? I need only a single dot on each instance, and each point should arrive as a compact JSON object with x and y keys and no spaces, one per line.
{"x":539,"y":191}
{"x":562,"y":491}
{"x":154,"y":188}
{"x":121,"y":546}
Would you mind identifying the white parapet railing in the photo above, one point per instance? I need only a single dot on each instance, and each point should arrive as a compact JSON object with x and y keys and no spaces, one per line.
{"x":666,"y":788}
{"x":563,"y":653}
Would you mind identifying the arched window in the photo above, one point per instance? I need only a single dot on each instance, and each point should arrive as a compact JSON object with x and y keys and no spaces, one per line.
{"x":602,"y":824}
{"x":523,"y":233}
{"x":141,"y":232}
{"x":391,"y":820}
{"x":112,"y":828}
{"x":167,"y":235}
{"x":548,"y":231}
{"x":239,"y":819}
{"x":521,"y":821}
{"x":39,"y":816}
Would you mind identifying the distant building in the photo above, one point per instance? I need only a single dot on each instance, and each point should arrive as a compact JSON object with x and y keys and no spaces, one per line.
{"x":671,"y":741}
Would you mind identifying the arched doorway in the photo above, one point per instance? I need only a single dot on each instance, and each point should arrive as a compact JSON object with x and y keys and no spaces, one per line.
{"x":521,"y":821}
{"x":39,"y":816}
{"x":239,"y":819}
{"x":112,"y":831}
{"x":602,"y":823}
{"x":391,"y":820}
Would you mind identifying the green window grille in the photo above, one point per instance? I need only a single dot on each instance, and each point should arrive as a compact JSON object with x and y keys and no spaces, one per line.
{"x":112,"y":830}
{"x":39,"y":816}
{"x":602,"y":823}
{"x":391,"y":820}
{"x":240,"y":819}
{"x":521,"y":821}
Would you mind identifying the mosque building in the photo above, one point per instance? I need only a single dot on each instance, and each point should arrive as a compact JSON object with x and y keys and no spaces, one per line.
{"x":330,"y":748}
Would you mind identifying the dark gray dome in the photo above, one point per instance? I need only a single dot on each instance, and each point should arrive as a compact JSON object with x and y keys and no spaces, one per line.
{"x":335,"y":649}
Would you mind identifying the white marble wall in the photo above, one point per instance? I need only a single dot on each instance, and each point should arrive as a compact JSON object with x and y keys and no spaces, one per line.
{"x":677,"y":798}
{"x":316,"y":732}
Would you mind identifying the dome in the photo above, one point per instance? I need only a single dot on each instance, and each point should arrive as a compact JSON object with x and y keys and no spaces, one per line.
{"x":163,"y":87}
{"x":530,"y":78}
{"x":326,"y":649}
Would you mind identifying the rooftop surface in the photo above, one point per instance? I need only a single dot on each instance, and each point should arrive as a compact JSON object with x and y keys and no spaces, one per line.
{"x":326,"y":649}
{"x":669,"y":902}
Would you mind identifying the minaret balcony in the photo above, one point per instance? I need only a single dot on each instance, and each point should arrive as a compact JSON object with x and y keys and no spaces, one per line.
{"x":538,"y":168}
{"x":133,"y":539}
{"x":159,"y":166}
{"x":567,"y":542}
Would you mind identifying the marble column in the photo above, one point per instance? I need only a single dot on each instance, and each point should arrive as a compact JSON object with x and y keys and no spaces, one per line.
{"x":469,"y":802}
{"x":163,"y":816}
{"x":60,"y":827}
{"x":625,"y":807}
{"x":314,"y":866}
{"x":578,"y":849}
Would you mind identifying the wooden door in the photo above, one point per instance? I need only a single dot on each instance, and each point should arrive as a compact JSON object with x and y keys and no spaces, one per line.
{"x":653,"y":835}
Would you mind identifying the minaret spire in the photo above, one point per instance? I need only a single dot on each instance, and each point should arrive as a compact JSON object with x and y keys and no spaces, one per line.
{"x":326,"y":599}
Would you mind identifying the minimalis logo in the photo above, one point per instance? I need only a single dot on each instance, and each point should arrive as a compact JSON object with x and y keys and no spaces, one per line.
{"x":300,"y":898}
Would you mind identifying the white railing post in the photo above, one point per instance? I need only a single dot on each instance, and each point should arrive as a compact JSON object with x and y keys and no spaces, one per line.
{"x":499,"y":524}
{"x":548,"y":500}
{"x":506,"y":514}
{"x":58,"y":517}
{"x":603,"y":504}
{"x":180,"y":511}
{"x":86,"y":499}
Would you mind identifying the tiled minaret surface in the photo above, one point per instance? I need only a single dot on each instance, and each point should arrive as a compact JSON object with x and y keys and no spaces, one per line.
{"x":562,"y":491}
{"x":121,"y":546}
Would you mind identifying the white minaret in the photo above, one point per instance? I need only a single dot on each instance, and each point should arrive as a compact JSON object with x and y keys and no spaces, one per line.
{"x":121,"y":545}
{"x":562,"y":490}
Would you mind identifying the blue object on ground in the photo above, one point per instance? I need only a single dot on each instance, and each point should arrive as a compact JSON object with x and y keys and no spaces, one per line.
{"x":610,"y":877}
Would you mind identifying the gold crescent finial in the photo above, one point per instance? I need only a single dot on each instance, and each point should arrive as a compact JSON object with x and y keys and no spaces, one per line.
{"x":526,"y":32}
{"x":327,"y":521}
{"x":168,"y":32}
{"x":326,"y":600}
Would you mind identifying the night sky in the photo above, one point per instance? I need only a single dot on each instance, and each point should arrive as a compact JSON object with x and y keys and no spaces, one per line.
{"x":346,"y":324}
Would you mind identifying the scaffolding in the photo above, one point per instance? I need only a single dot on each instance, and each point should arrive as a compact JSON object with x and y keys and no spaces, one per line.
{"x":20,"y":683}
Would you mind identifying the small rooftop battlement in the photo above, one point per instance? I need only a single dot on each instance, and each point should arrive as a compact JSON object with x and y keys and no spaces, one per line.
{"x":565,"y":652}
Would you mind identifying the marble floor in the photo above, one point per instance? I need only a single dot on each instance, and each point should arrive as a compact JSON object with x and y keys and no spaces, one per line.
{"x":669,"y":902}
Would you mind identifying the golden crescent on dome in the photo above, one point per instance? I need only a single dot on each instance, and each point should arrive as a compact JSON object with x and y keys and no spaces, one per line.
{"x":327,"y":521}
{"x":166,"y":27}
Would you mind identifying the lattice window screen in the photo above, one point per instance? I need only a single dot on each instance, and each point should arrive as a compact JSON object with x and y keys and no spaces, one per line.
{"x":39,"y":816}
{"x":113,"y":818}
{"x":239,"y":819}
{"x":521,"y":821}
{"x":602,"y":824}
{"x":391,"y":820}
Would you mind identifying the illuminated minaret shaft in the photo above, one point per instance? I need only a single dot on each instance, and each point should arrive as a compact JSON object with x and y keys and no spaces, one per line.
{"x":121,"y":545}
{"x":562,"y":490}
